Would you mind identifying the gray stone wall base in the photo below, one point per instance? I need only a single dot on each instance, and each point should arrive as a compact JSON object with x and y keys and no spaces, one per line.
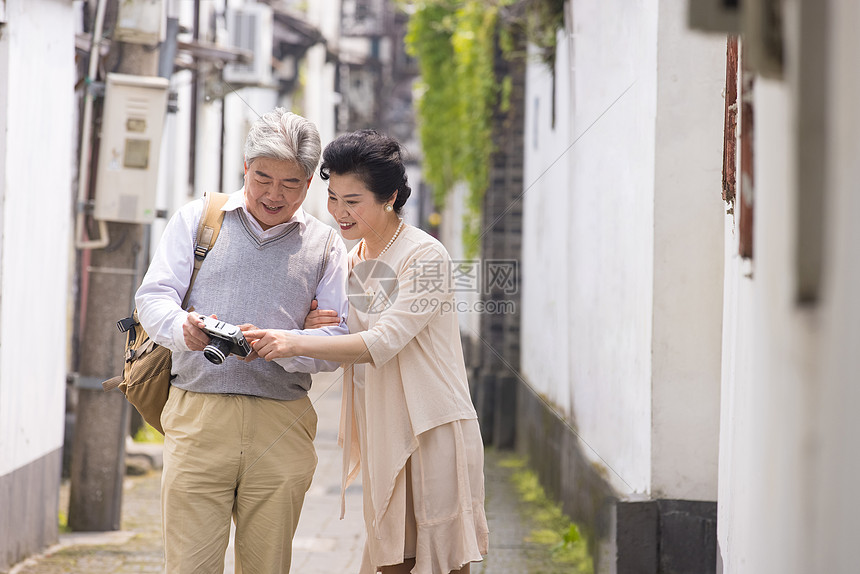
{"x":504,"y":425}
{"x":652,"y":536}
{"x":30,"y":499}
{"x":485,"y":404}
{"x":666,"y":537}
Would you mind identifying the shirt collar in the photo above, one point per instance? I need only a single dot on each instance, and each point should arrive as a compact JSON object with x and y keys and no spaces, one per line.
{"x":237,"y":201}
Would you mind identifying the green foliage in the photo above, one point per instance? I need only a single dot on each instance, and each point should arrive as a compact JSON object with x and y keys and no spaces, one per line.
{"x":552,"y":528}
{"x":454,"y":44}
{"x":544,"y":18}
{"x":63,"y":522}
{"x":148,"y":434}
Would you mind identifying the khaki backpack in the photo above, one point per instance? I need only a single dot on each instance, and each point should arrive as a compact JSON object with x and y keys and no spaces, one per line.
{"x":145,"y":379}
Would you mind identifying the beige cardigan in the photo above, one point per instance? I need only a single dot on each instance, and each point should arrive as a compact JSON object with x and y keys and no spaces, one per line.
{"x":417,"y":379}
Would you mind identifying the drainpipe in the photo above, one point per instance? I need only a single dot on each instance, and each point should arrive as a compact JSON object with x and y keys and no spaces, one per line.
{"x":86,"y":140}
{"x":195,"y":92}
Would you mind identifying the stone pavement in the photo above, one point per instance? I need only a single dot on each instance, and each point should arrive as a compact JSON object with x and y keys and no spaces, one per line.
{"x":323,"y":544}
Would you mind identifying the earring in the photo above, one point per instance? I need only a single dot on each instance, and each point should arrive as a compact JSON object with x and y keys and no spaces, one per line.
{"x":388,"y":208}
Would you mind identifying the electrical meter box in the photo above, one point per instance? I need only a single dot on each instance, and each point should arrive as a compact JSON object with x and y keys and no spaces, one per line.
{"x":132,"y":126}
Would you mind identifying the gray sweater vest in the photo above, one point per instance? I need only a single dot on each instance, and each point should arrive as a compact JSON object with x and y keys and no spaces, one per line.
{"x":270,"y":285}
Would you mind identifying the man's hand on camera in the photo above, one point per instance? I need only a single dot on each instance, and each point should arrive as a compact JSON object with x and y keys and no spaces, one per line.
{"x":318,"y":318}
{"x":192,"y":331}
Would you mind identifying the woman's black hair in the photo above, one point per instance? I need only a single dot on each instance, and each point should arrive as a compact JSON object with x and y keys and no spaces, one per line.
{"x":374,"y":158}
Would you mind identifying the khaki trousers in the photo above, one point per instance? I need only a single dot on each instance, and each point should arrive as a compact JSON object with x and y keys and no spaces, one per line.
{"x":234,"y":455}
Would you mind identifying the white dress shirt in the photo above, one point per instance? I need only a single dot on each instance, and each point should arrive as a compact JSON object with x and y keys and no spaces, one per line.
{"x":160,"y":295}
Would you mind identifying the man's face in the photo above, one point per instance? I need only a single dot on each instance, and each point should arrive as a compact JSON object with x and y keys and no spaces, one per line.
{"x":274,"y":190}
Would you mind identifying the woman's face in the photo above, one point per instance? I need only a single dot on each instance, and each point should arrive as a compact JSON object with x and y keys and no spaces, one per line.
{"x":355,"y":208}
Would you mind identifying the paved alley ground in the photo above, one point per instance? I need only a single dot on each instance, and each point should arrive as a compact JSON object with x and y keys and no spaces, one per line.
{"x":323,"y":543}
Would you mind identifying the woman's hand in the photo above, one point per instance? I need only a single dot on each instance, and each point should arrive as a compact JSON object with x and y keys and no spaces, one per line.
{"x":246,"y":328}
{"x":270,"y":344}
{"x":318,"y":318}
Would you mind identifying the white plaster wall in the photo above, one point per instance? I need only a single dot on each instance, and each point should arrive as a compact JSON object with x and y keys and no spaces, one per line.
{"x":786,"y":341}
{"x":788,"y":470}
{"x":599,"y":216}
{"x":239,"y":113}
{"x":688,"y":259}
{"x":173,"y":189}
{"x":38,"y":128}
{"x":837,"y":466}
{"x":451,"y":236}
{"x":320,"y":97}
{"x":737,"y":420}
{"x":790,"y":502}
{"x":208,"y":145}
{"x":545,"y":274}
{"x":765,"y":467}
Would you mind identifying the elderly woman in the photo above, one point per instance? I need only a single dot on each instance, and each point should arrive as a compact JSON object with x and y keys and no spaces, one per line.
{"x":407,"y":422}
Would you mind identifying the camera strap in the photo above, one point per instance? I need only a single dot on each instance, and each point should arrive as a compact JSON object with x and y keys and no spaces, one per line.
{"x":207,"y":233}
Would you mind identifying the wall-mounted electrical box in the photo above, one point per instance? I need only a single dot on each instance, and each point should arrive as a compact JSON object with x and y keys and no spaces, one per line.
{"x":132,"y":125}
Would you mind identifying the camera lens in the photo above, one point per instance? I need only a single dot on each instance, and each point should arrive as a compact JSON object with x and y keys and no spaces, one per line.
{"x":217,"y":350}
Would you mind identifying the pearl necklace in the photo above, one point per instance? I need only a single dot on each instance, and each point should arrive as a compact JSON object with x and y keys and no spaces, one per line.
{"x":384,"y":249}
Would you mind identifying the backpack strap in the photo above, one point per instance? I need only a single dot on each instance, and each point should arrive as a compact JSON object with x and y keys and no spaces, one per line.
{"x":207,"y":233}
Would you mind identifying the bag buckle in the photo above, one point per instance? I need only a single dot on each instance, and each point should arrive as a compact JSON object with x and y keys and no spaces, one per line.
{"x":125,"y":325}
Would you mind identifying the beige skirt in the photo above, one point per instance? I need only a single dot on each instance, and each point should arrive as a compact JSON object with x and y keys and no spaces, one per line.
{"x":436,"y":512}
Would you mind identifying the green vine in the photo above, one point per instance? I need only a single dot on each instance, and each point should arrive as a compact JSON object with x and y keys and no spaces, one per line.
{"x":454,"y":43}
{"x":539,"y":21}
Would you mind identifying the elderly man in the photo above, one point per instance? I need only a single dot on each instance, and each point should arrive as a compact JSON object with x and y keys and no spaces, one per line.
{"x":238,"y":436}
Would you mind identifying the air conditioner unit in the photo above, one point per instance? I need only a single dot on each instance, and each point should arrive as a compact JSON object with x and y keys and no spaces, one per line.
{"x":250,"y":28}
{"x":758,"y":22}
{"x":762,"y":36}
{"x":141,"y":22}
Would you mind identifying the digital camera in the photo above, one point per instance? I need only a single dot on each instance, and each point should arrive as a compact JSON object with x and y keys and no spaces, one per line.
{"x":226,"y":339}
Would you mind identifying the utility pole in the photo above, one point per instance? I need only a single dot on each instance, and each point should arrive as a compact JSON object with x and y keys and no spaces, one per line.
{"x":109,"y":277}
